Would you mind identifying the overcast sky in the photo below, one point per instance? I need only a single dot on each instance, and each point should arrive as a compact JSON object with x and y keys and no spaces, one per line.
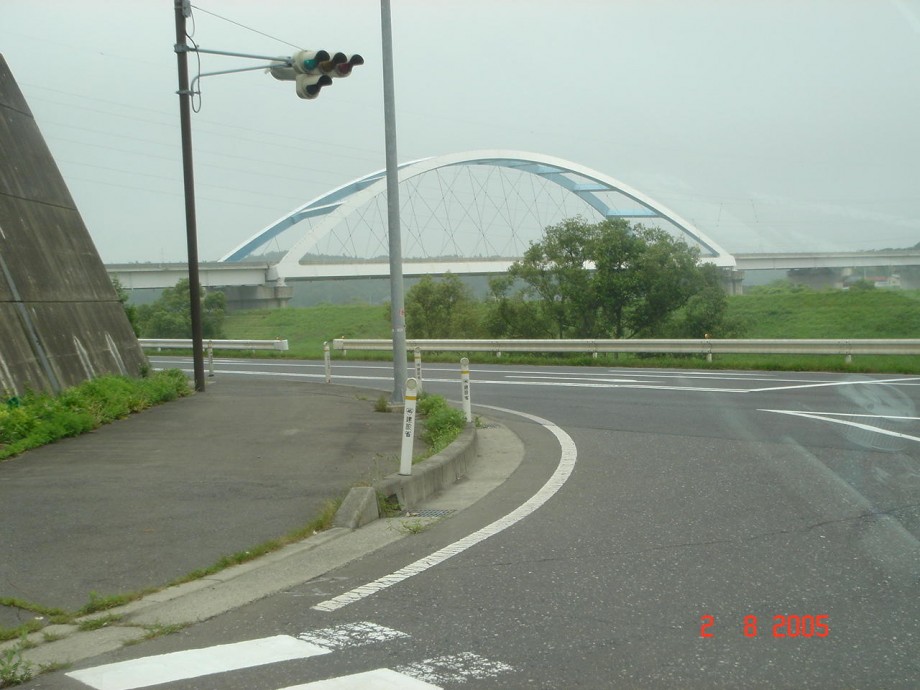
{"x":773,"y":125}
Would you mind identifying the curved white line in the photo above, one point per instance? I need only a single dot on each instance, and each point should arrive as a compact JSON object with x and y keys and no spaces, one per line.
{"x":547,"y":491}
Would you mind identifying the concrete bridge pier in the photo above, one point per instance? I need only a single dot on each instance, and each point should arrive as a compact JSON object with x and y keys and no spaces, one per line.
{"x":240,"y":297}
{"x":731,"y":281}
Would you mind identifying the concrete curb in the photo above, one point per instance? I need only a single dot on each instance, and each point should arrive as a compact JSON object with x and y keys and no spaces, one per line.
{"x":428,"y":478}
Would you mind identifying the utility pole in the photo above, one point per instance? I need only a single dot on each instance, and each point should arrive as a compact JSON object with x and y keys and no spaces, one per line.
{"x":311,"y":70}
{"x":183,"y":10}
{"x":397,"y":296}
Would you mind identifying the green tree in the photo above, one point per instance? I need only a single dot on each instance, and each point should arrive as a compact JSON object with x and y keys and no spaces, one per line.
{"x":610,"y":278}
{"x":441,"y":309}
{"x":558,"y":273}
{"x":511,"y":315}
{"x":668,"y":273}
{"x":171,"y":315}
{"x":705,"y":311}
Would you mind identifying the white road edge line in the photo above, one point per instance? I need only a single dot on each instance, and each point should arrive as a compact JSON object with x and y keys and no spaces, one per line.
{"x":832,"y":420}
{"x":563,"y":471}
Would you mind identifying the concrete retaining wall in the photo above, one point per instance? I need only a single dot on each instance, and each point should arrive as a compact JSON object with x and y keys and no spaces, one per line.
{"x":60,"y":319}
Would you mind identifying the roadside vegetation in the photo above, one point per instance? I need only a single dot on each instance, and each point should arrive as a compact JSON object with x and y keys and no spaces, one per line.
{"x":36,"y":419}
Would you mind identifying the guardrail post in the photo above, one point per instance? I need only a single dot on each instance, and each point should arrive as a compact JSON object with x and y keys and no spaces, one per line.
{"x":210,"y":359}
{"x":405,"y":457}
{"x":418,"y":367}
{"x":328,"y":362}
{"x":465,"y":383}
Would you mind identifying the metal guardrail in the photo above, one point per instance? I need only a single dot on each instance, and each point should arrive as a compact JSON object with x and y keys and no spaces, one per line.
{"x":186,"y":344}
{"x":703,"y":346}
{"x":210,"y":345}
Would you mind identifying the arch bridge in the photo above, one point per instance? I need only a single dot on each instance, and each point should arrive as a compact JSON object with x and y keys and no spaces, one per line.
{"x":468,"y":213}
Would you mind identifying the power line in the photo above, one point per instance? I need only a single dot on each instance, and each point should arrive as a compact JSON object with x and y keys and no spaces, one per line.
{"x":248,"y":28}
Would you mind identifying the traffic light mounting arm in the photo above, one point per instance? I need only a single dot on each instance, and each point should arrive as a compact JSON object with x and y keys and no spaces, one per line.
{"x":310,"y":69}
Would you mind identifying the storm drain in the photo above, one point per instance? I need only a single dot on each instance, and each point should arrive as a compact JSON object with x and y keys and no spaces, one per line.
{"x":429,"y":513}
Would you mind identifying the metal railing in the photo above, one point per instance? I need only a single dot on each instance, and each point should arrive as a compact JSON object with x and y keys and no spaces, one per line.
{"x":186,"y":344}
{"x":210,"y":345}
{"x":703,"y":346}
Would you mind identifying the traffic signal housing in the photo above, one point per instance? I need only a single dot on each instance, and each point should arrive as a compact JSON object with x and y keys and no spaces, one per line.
{"x":311,"y":70}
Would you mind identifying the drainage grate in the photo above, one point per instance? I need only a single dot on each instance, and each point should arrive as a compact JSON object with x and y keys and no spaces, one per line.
{"x":429,"y":513}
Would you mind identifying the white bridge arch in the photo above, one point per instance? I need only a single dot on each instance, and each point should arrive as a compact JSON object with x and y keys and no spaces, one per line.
{"x":333,"y":208}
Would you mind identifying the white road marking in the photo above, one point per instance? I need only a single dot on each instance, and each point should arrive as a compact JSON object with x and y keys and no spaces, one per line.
{"x":379,"y":679}
{"x":351,"y":635}
{"x":455,"y":668}
{"x":873,"y":382}
{"x":556,"y":481}
{"x":858,"y":425}
{"x":193,"y":663}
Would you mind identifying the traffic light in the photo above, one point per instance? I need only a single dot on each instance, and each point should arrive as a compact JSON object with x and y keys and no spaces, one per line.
{"x":314,"y":69}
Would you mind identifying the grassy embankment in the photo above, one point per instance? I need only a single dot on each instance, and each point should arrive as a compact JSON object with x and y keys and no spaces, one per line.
{"x":832,"y":314}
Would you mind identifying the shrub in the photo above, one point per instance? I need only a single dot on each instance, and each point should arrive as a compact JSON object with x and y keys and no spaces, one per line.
{"x":442,"y":423}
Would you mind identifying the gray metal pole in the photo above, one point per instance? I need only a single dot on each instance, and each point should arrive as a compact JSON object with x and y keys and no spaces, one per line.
{"x":191,"y":226}
{"x":397,"y":296}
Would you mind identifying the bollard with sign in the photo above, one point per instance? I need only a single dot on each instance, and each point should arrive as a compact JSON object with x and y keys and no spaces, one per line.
{"x":465,"y":383}
{"x":328,"y":362}
{"x":210,"y":359}
{"x":405,"y":458}
{"x":418,"y":368}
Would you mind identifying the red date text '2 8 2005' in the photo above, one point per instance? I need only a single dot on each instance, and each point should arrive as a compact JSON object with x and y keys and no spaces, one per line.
{"x":787,"y":625}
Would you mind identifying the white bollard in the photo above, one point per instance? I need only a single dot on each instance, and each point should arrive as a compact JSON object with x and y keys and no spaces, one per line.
{"x":210,"y":359}
{"x":328,"y":362}
{"x":465,"y":382}
{"x":405,"y":458}
{"x":418,"y":367}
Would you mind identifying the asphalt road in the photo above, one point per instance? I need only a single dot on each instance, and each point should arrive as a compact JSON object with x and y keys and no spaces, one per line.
{"x":716,"y":530}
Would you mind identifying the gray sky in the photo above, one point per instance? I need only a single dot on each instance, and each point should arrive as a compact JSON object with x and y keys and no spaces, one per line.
{"x":774,"y":125}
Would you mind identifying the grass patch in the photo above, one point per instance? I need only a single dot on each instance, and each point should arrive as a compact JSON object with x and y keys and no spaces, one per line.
{"x":36,"y":419}
{"x":100,"y":622}
{"x":13,"y":668}
{"x":442,"y":423}
{"x":43,"y":615}
{"x":828,"y":314}
{"x":151,"y":632}
{"x":307,"y":328}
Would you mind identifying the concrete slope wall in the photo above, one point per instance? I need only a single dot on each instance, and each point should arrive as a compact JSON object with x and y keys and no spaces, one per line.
{"x":60,"y":319}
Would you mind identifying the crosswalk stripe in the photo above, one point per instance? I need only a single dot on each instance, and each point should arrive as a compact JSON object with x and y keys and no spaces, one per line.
{"x":379,"y":679}
{"x":193,"y":663}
